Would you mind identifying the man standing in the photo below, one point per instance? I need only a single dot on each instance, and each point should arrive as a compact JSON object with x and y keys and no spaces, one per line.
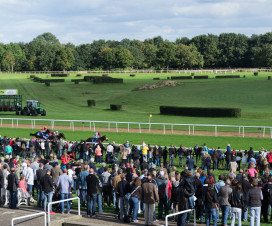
{"x":105,"y":179}
{"x":64,"y":182}
{"x":190,"y":163}
{"x":245,"y":188}
{"x":224,"y":194}
{"x":47,"y":184}
{"x":109,"y":152}
{"x":81,"y":179}
{"x":149,"y":198}
{"x":267,"y":199}
{"x":29,"y":176}
{"x":35,"y":167}
{"x":171,"y":155}
{"x":228,"y":154}
{"x":92,"y":183}
{"x":162,"y":183}
{"x":1,"y":183}
{"x":40,"y":173}
{"x":254,"y":198}
{"x":13,"y":185}
{"x":56,"y":172}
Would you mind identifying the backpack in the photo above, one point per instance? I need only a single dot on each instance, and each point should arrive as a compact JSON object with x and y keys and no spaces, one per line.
{"x":211,"y":179}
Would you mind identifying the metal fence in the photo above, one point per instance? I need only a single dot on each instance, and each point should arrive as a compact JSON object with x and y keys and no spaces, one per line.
{"x":140,"y":127}
{"x":30,"y":215}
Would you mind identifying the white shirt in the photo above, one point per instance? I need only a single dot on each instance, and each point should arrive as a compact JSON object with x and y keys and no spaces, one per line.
{"x":110,"y":149}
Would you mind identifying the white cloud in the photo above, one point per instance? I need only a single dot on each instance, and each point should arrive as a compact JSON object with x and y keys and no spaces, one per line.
{"x":83,"y":21}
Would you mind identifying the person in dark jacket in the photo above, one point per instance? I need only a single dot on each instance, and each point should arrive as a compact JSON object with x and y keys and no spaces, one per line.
{"x":172,"y":153}
{"x":144,"y":165}
{"x":183,"y":204}
{"x":245,"y":187}
{"x":135,"y":197}
{"x":40,"y":173}
{"x":237,"y":204}
{"x":210,"y":202}
{"x":164,"y":155}
{"x":47,"y":185}
{"x":254,"y":198}
{"x":92,"y":184}
{"x":267,"y":199}
{"x":122,"y":189}
{"x":1,"y":183}
{"x":13,"y":185}
{"x":228,"y":154}
{"x":190,"y":163}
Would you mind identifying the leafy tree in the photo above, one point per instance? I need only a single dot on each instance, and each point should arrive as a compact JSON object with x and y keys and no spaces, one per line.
{"x":64,"y":59}
{"x":188,"y":57}
{"x":263,"y":56}
{"x":150,"y":52}
{"x":123,"y":58}
{"x":166,"y":54}
{"x":138,"y":57}
{"x":107,"y":58}
{"x":8,"y":61}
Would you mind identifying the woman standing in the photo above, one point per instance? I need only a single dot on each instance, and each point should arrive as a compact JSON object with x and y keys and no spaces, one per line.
{"x":237,"y":204}
{"x":210,"y":202}
{"x":239,"y":158}
{"x":64,"y":160}
{"x":135,"y":197}
{"x":244,"y":160}
{"x":98,"y":154}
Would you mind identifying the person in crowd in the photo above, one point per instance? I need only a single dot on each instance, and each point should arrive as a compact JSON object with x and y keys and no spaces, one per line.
{"x":245,"y":188}
{"x":23,"y":185}
{"x":40,"y":173}
{"x":190,"y":163}
{"x":240,"y":175}
{"x":210,"y":202}
{"x":1,"y":183}
{"x":251,"y":171}
{"x":224,"y":194}
{"x":171,"y":155}
{"x":267,"y":198}
{"x":47,"y":185}
{"x":106,"y":183}
{"x":134,"y":198}
{"x":64,"y":160}
{"x":149,"y":197}
{"x":162,"y":184}
{"x":56,"y":172}
{"x":12,"y":188}
{"x":65,"y":183}
{"x":29,"y":177}
{"x":254,"y":199}
{"x":123,"y":188}
{"x":81,"y":179}
{"x":98,"y":154}
{"x":92,"y":185}
{"x":237,"y":204}
{"x":269,"y":157}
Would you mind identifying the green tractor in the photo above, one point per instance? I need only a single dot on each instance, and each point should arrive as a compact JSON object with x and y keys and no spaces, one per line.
{"x":33,"y":108}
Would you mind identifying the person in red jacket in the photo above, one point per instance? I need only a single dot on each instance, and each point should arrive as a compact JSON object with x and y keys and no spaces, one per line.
{"x":269,"y":158}
{"x":64,"y":160}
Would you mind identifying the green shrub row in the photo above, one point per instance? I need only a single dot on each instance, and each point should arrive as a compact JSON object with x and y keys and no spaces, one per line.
{"x":201,"y":77}
{"x":200,"y":112}
{"x":181,"y":77}
{"x":60,"y":75}
{"x":227,"y":76}
{"x":111,"y":80}
{"x":115,"y":107}
{"x":91,"y":103}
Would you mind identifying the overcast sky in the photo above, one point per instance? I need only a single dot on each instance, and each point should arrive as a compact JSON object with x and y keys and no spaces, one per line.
{"x":82,"y":21}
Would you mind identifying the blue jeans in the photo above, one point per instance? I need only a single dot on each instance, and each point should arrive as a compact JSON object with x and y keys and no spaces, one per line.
{"x":62,"y":197}
{"x":191,"y":205}
{"x":245,"y":214}
{"x":12,"y":199}
{"x":171,"y":160}
{"x":123,"y":207}
{"x":163,"y":202}
{"x":47,"y":153}
{"x":85,"y":157}
{"x":225,"y":211}
{"x":157,"y":161}
{"x":38,"y":152}
{"x":59,"y":153}
{"x":99,"y":202}
{"x":91,"y":204}
{"x":211,"y":215}
{"x":255,"y":215}
{"x":145,"y":157}
{"x":98,"y":159}
{"x":181,"y":219}
{"x":116,"y":154}
{"x":30,"y":189}
{"x":82,"y":196}
{"x":39,"y":196}
{"x":233,"y":216}
{"x":114,"y":197}
{"x":133,"y":205}
{"x":47,"y":196}
{"x":215,"y":164}
{"x":150,"y":162}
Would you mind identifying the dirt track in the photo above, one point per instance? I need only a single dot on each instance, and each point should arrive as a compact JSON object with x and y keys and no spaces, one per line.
{"x":153,"y":131}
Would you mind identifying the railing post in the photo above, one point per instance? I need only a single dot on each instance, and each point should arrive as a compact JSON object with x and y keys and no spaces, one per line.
{"x":12,"y":123}
{"x":94,"y":126}
{"x":109,"y":126}
{"x":189,"y":130}
{"x":172,"y":128}
{"x":17,"y":123}
{"x":163,"y":128}
{"x":215,"y":130}
{"x":263,"y":131}
{"x":117,"y":127}
{"x":243,"y":131}
{"x":140,"y":131}
{"x":128,"y":127}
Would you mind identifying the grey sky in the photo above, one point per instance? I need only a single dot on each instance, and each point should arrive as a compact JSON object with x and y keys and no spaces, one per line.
{"x":82,"y":21}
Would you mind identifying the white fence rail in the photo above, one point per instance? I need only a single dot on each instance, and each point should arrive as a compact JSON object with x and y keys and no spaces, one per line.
{"x":30,"y":215}
{"x":190,"y":129}
{"x":178,"y":213}
{"x":64,"y":200}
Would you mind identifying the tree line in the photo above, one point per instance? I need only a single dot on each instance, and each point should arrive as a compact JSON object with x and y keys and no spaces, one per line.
{"x":227,"y":50}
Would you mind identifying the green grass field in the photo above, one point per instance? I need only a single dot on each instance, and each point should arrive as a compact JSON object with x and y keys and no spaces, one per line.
{"x":69,"y":101}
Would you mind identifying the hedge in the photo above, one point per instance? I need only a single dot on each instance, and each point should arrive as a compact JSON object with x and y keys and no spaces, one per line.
{"x":32,"y":76}
{"x":256,"y":73}
{"x":201,"y":77}
{"x":47,"y":83}
{"x":180,"y":77}
{"x":269,"y":77}
{"x":156,"y":78}
{"x":115,"y":107}
{"x":200,"y":112}
{"x":60,"y":75}
{"x":53,"y":80}
{"x":227,"y":76}
{"x":109,"y":80}
{"x":79,"y":80}
{"x":91,"y":103}
{"x":132,"y":75}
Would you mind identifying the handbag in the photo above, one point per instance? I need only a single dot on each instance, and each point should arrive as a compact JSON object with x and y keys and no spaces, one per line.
{"x":128,"y":195}
{"x":216,"y":205}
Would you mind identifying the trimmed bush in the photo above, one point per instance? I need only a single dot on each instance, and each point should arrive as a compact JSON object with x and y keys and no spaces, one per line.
{"x":256,"y":73}
{"x":91,"y":103}
{"x":32,"y":76}
{"x":180,"y":77}
{"x":60,"y":75}
{"x":200,"y":112}
{"x":53,"y":80}
{"x":192,"y":74}
{"x":269,"y":77}
{"x":115,"y":107}
{"x":105,"y":75}
{"x":156,"y":78}
{"x":47,"y":83}
{"x":227,"y":76}
{"x":109,"y":80}
{"x":201,"y":77}
{"x":76,"y":82}
{"x":80,"y":80}
{"x":132,"y":75}
{"x":78,"y":75}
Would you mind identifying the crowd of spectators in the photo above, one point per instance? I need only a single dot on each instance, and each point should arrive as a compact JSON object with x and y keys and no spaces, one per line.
{"x":134,"y":179}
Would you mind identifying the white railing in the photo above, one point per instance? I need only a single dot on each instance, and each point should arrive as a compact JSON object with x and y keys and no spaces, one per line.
{"x":30,"y":215}
{"x":64,"y":200}
{"x":178,"y":213}
{"x":190,"y":128}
